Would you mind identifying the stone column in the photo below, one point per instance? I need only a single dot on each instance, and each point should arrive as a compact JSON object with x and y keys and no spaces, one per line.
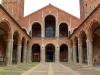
{"x":80,"y":51}
{"x":70,"y":54}
{"x":74,"y":53}
{"x":9,"y":50}
{"x":90,"y":52}
{"x":57,"y":54}
{"x":19,"y":53}
{"x":29,"y":55}
{"x":24,"y":55}
{"x":42,"y":53}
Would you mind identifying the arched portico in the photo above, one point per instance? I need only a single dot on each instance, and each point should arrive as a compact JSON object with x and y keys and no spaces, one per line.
{"x":63,"y":53}
{"x":5,"y":43}
{"x":36,"y":53}
{"x":50,"y":53}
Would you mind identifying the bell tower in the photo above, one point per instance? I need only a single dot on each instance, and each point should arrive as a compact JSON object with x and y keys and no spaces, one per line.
{"x":14,"y":7}
{"x":87,"y":6}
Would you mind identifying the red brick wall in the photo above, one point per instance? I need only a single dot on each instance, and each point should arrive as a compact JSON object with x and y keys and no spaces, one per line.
{"x":87,"y":6}
{"x":14,"y":7}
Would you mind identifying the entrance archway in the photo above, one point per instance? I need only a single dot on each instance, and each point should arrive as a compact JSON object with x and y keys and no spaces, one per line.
{"x":4,"y":34}
{"x":35,"y":53}
{"x":50,"y":25}
{"x":96,"y":43}
{"x":50,"y":53}
{"x":64,"y":53}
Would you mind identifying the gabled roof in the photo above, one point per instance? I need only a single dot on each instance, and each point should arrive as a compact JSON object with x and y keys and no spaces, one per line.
{"x":50,"y":5}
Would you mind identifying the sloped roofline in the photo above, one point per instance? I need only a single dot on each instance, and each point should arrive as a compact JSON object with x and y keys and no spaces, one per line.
{"x":17,"y":24}
{"x":54,"y":7}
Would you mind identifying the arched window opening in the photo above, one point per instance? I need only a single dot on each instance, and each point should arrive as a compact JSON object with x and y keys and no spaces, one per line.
{"x":36,"y":30}
{"x":63,"y":30}
{"x":50,"y":25}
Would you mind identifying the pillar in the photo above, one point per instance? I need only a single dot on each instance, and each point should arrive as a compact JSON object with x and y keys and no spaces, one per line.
{"x":9,"y":50}
{"x":24,"y":55}
{"x":74,"y":53}
{"x":29,"y":51}
{"x":57,"y":54}
{"x":70,"y":54}
{"x":42,"y":53}
{"x":19,"y":53}
{"x":80,"y":51}
{"x":90,"y":52}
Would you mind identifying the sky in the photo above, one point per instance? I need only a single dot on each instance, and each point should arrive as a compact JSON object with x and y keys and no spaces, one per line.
{"x":69,"y":6}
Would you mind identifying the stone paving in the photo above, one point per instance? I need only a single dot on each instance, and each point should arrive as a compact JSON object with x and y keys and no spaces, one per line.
{"x":60,"y":69}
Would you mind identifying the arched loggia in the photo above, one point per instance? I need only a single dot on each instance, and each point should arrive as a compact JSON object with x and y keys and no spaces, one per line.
{"x":4,"y":36}
{"x":96,"y":43}
{"x":50,"y":26}
{"x":50,"y":53}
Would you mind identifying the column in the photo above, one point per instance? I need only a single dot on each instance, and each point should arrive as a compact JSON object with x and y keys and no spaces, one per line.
{"x":9,"y":50}
{"x":74,"y":53}
{"x":80,"y":51}
{"x":29,"y":55}
{"x":57,"y":54}
{"x":90,"y":52}
{"x":24,"y":57}
{"x":70,"y":54}
{"x":42,"y":53}
{"x":19,"y":53}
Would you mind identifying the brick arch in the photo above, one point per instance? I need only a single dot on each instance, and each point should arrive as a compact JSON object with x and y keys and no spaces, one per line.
{"x":50,"y":52}
{"x":50,"y":25}
{"x":63,"y":53}
{"x":36,"y":53}
{"x":7,"y":27}
{"x":63,"y":25}
{"x":37,"y":26}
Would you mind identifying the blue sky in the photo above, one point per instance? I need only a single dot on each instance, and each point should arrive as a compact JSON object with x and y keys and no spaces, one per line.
{"x":70,"y":6}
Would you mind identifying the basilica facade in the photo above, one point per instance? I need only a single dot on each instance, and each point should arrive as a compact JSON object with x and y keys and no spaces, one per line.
{"x":49,"y":34}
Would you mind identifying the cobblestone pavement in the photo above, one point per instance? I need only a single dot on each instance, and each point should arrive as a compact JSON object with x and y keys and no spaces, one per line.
{"x":61,"y":69}
{"x":84,"y":70}
{"x":51,"y":69}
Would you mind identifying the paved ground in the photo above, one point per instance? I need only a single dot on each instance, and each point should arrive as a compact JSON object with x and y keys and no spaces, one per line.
{"x":59,"y":69}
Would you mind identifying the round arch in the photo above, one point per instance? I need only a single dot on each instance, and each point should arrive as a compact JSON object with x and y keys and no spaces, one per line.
{"x":5,"y":33}
{"x":50,"y":26}
{"x":36,"y":29}
{"x":95,"y":30}
{"x":64,"y":53}
{"x":49,"y":53}
{"x":35,"y":53}
{"x":63,"y":30}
